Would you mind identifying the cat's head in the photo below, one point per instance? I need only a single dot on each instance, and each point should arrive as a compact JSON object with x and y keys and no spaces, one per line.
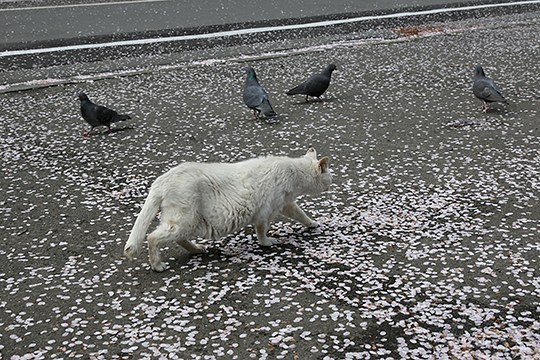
{"x":321,"y":169}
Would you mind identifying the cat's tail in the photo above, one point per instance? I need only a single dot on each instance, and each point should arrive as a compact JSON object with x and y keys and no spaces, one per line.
{"x":136,"y":238}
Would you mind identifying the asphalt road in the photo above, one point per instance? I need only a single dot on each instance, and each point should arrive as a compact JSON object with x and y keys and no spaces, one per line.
{"x":42,"y":62}
{"x":428,"y":246}
{"x":56,"y":22}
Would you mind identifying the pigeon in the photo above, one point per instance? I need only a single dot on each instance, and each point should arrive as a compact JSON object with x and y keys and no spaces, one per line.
{"x":97,"y":115}
{"x":485,"y":89}
{"x":256,"y":97}
{"x":316,"y":85}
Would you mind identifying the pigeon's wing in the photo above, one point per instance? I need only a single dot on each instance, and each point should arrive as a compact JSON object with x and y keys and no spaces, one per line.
{"x":299,"y":89}
{"x":315,"y":85}
{"x":487,"y":90}
{"x":494,"y":87}
{"x":88,"y":111}
{"x":254,"y":95}
{"x":266,"y":108}
{"x":120,"y":117}
{"x":105,"y":115}
{"x":490,"y":94}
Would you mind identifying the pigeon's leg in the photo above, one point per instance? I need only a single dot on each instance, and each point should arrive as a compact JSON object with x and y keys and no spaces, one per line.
{"x":307,"y":98}
{"x":256,"y":114}
{"x":485,"y":107}
{"x":88,"y":133}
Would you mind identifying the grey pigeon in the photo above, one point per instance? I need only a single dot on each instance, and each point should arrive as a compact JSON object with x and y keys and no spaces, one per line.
{"x":316,"y":85}
{"x":97,"y":115}
{"x":485,"y":89}
{"x":256,"y":97}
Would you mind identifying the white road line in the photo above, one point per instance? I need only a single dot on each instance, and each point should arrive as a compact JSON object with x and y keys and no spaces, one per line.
{"x":259,"y":30}
{"x":81,"y":5}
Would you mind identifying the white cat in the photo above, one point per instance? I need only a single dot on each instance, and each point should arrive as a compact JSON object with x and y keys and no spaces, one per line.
{"x":211,"y":200}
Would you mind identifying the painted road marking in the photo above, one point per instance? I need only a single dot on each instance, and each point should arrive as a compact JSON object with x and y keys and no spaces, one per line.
{"x":249,"y":31}
{"x":81,"y":5}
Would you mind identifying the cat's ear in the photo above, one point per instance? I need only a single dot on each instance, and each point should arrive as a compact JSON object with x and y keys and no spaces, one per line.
{"x":311,"y":153}
{"x":323,"y":164}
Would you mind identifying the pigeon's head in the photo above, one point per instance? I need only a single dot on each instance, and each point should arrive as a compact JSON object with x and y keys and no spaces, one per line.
{"x":329,"y":69}
{"x":478,"y":71}
{"x":251,"y":74}
{"x":82,"y":96}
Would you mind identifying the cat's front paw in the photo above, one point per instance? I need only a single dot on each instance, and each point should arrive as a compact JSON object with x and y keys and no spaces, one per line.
{"x":159,"y":267}
{"x":313,"y":224}
{"x":199,"y":249}
{"x":267,"y":241}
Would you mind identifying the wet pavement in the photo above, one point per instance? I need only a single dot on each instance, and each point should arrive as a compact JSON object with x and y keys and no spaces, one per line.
{"x":428,"y":245}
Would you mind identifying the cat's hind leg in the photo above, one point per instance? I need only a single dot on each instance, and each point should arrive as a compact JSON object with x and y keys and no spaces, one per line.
{"x":191,"y":247}
{"x":164,"y":233}
{"x":293,"y":211}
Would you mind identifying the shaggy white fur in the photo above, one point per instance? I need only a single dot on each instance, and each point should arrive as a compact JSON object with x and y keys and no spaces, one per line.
{"x":211,"y":200}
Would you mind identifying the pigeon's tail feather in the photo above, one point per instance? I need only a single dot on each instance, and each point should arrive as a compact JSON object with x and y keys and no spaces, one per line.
{"x":266,"y":109}
{"x":136,"y":238}
{"x":495,"y":96}
{"x":502,"y":98}
{"x":118,"y":117}
{"x":295,"y":90}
